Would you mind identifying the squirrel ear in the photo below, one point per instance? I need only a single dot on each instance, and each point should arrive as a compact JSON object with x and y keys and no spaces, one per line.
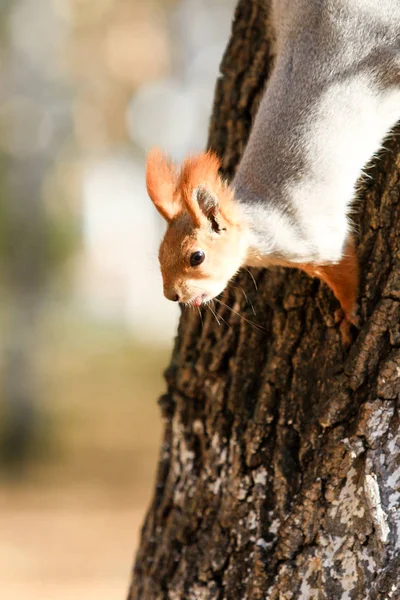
{"x":161,"y":182}
{"x":209,"y":206}
{"x":199,"y":183}
{"x":206,"y":201}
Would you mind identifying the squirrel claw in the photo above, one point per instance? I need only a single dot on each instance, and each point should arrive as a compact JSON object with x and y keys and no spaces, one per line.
{"x":353,"y":317}
{"x":345,"y":332}
{"x":350,"y":319}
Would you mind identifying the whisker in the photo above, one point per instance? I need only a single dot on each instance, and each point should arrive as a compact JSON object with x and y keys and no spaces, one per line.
{"x":213,"y":313}
{"x":222,"y":318}
{"x":252,"y":276}
{"x":248,"y":300}
{"x":259,"y":327}
{"x":201,"y":317}
{"x":230,"y":284}
{"x":218,"y":316}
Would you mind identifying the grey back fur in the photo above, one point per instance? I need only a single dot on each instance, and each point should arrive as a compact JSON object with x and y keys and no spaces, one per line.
{"x":332,"y":98}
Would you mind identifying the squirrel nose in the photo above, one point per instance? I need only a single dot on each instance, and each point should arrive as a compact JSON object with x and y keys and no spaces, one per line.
{"x":171,"y":295}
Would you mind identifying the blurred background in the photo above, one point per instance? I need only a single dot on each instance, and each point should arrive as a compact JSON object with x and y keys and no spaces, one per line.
{"x":87,"y":86}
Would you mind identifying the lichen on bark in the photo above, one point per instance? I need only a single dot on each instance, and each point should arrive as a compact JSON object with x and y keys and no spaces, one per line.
{"x":279,"y":472}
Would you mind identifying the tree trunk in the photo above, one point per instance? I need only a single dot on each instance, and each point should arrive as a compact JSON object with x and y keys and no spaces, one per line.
{"x":279,"y":473}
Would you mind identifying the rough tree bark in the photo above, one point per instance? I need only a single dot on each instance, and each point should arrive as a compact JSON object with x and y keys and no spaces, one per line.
{"x":279,"y":473}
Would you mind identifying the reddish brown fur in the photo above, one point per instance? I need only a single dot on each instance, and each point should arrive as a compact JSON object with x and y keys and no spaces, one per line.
{"x":198,"y":171}
{"x":189,"y":226}
{"x":203,"y":171}
{"x":222,"y":256}
{"x":343,"y":279}
{"x":189,"y":230}
{"x":161,"y":181}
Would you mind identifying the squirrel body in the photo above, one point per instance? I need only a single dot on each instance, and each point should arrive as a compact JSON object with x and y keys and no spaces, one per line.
{"x":333,"y":96}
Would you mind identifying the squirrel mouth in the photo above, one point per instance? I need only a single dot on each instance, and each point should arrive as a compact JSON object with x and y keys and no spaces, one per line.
{"x":198,"y":301}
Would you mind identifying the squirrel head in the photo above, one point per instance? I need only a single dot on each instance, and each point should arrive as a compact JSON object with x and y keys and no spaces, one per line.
{"x":203,"y":245}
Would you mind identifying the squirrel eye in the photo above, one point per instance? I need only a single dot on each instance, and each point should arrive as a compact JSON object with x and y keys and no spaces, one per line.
{"x":197,"y":258}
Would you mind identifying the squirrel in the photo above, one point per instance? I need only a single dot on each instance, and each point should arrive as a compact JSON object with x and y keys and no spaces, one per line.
{"x":333,"y":96}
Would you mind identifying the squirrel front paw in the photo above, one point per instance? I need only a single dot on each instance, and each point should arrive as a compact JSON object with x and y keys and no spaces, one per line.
{"x":347,"y":321}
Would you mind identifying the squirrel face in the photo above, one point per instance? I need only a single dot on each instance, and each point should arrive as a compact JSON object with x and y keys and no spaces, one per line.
{"x":203,"y":245}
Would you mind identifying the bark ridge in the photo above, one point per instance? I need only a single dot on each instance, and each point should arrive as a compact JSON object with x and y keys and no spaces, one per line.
{"x":279,"y":472}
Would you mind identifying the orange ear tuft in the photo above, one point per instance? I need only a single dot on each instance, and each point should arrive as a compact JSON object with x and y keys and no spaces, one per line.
{"x":199,"y":171}
{"x":161,"y":182}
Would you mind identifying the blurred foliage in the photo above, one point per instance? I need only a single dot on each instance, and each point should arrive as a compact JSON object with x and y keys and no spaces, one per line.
{"x":99,"y":422}
{"x":87,"y":87}
{"x":47,"y":244}
{"x":34,"y":244}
